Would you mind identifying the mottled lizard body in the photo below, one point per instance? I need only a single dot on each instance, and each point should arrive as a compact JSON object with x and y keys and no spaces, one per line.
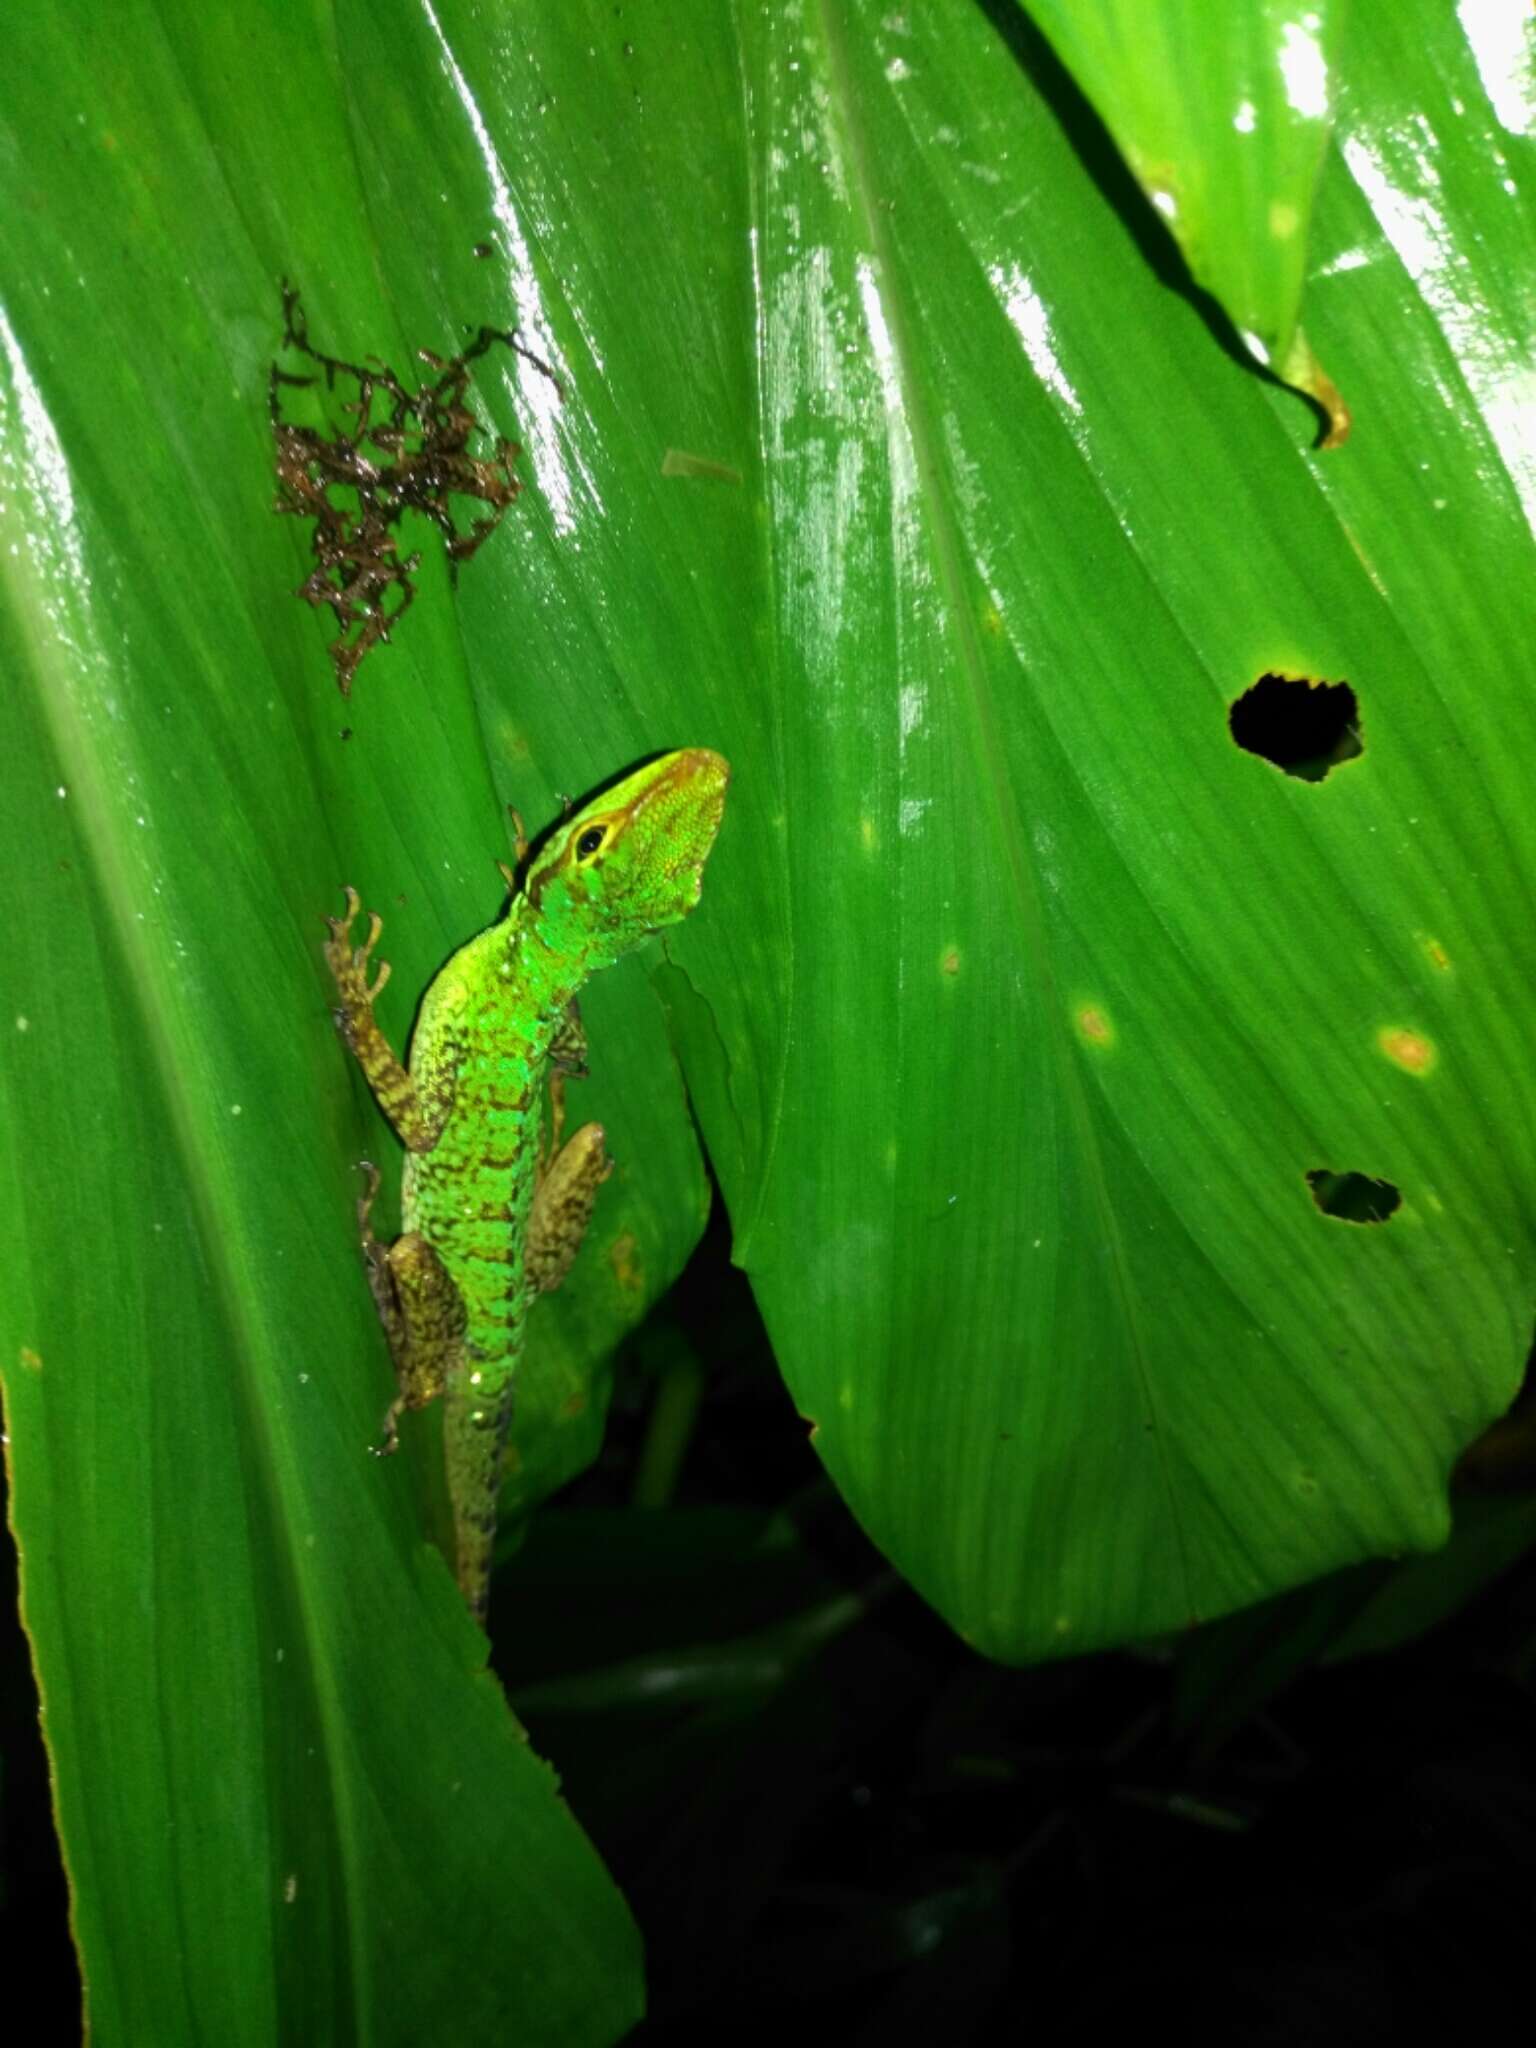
{"x":489,"y":1219}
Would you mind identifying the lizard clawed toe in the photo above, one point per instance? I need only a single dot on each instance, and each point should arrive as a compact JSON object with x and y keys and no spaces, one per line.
{"x":350,"y":964}
{"x":368,"y":1197}
{"x":391,"y":1439}
{"x":354,"y":904}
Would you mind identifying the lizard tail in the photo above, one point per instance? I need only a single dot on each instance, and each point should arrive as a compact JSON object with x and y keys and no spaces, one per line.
{"x":475,"y":1442}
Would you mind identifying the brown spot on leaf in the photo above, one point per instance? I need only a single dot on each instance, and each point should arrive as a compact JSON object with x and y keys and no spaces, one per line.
{"x":626,"y":1265}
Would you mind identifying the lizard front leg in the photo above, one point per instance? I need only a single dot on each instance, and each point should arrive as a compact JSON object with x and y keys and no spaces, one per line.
{"x":418,"y":1114}
{"x":569,"y":1176}
{"x":568,"y":1047}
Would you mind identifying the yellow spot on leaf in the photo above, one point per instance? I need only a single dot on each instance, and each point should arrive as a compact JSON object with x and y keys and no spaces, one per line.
{"x":1435,"y":954}
{"x":1301,"y":368}
{"x":1283,"y":220}
{"x":992,"y":620}
{"x":845,"y":1396}
{"x":626,"y":1267}
{"x":1409,"y":1050}
{"x":1094,"y":1024}
{"x":868,"y":836}
{"x":576,"y":1404}
{"x":678,"y":462}
{"x":950,"y":962}
{"x":30,"y":1362}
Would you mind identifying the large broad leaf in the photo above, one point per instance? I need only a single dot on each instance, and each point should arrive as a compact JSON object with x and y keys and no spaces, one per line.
{"x":1222,"y":114}
{"x":1022,"y":1001}
{"x":1082,"y":992}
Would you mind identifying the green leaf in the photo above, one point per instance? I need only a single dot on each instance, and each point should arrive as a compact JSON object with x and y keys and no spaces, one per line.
{"x":1022,"y":1002}
{"x":268,"y":1715}
{"x":1082,"y":992}
{"x":1222,"y":115}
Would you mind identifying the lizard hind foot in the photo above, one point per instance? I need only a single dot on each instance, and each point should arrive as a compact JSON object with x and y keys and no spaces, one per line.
{"x":389,"y":1440}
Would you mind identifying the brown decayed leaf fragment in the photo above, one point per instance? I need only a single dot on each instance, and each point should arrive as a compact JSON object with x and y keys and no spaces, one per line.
{"x":404,"y":451}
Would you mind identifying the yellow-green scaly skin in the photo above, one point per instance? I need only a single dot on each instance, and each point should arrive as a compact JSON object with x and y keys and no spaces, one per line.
{"x":487,"y":1223}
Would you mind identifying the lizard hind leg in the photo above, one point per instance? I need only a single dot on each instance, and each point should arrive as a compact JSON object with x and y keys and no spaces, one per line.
{"x":562,"y":1207}
{"x":433,"y":1319}
{"x":422,"y":1313}
{"x":380,"y":1281}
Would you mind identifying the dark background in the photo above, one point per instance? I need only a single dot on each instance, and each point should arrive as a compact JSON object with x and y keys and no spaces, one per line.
{"x":829,"y":1815}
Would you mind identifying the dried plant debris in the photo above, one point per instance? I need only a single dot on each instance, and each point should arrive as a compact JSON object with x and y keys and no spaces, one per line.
{"x":400,"y":451}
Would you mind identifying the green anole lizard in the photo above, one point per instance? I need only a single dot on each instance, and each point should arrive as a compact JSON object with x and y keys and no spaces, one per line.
{"x":490,"y":1219}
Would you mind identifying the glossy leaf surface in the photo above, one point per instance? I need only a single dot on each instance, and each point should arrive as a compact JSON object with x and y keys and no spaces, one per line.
{"x":1081,"y":1347}
{"x":1222,"y":114}
{"x":1022,"y":1001}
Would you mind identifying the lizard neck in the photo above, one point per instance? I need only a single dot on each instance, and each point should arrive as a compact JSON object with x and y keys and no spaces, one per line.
{"x":543,"y":970}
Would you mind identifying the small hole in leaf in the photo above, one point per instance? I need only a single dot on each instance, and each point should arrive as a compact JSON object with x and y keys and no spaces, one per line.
{"x":1302,"y":726}
{"x":1353,"y":1197}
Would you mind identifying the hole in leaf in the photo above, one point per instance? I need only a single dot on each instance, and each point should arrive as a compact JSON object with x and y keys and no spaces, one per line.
{"x":1302,"y":726}
{"x":1353,"y":1197}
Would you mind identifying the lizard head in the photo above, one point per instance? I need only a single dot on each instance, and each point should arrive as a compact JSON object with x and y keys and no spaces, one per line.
{"x":631,"y":860}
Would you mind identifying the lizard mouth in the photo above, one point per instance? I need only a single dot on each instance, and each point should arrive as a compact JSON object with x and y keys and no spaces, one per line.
{"x":688,"y":800}
{"x":701,"y":777}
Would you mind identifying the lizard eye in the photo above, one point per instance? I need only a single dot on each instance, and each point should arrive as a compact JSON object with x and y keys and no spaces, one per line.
{"x":590,"y":841}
